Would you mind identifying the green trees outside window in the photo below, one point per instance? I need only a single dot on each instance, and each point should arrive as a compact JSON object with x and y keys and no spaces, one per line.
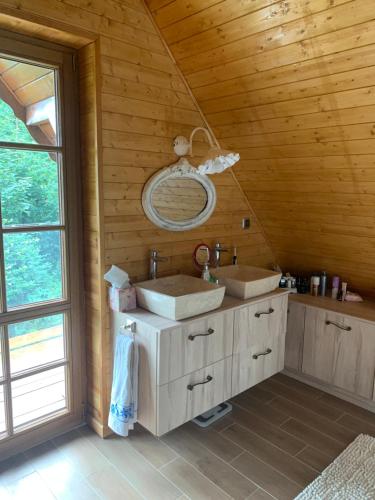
{"x":29,"y":193}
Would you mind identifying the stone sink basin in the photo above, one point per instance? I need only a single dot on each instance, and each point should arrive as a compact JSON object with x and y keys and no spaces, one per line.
{"x":245,"y":282}
{"x":179,"y":297}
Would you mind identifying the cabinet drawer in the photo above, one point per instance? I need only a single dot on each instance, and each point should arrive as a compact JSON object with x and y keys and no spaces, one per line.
{"x":192,"y":346}
{"x":339,"y":350}
{"x":256,"y":326}
{"x":264,"y":359}
{"x":178,"y":403}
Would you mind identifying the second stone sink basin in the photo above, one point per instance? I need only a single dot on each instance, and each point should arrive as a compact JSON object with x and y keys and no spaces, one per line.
{"x":179,"y":297}
{"x":246,"y":282}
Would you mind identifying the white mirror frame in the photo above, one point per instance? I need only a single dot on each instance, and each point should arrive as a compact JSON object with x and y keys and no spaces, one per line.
{"x":180,"y":169}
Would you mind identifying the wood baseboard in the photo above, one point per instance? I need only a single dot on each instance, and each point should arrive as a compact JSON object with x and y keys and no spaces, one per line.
{"x":351,"y":398}
{"x":102,"y":430}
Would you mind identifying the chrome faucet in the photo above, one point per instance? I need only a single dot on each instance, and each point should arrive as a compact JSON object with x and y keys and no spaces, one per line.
{"x":218,"y":250}
{"x":154,"y":259}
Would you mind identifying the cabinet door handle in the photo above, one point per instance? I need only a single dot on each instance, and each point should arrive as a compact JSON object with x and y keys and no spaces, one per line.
{"x":270,"y":311}
{"x":190,"y":387}
{"x":346,"y":328}
{"x":210,"y":331}
{"x":267,"y":351}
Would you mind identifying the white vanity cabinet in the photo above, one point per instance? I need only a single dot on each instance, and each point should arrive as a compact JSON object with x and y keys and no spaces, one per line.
{"x":187,"y":367}
{"x":337,"y":350}
{"x":259,"y":342}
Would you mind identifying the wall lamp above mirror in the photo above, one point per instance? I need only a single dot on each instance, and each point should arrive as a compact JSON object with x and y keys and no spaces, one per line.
{"x":215,"y":161}
{"x":178,"y":198}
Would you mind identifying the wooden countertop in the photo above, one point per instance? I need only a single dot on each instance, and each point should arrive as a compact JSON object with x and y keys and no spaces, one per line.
{"x":362,"y":310}
{"x":160,"y":323}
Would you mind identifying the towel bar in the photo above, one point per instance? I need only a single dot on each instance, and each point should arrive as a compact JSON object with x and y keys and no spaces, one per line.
{"x":130,"y":326}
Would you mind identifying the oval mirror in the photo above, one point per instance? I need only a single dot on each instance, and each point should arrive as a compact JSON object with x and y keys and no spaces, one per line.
{"x":178,"y":198}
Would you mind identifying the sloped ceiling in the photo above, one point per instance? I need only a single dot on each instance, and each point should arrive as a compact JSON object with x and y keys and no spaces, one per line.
{"x":290,"y":86}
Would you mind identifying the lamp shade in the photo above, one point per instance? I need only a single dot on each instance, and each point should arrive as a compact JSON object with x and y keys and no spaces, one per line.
{"x":216,"y":161}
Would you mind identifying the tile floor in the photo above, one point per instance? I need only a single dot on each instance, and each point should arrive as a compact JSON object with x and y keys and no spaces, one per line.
{"x":278,"y":438}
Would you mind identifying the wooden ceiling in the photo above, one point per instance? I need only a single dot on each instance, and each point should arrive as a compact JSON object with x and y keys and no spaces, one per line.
{"x":290,"y":86}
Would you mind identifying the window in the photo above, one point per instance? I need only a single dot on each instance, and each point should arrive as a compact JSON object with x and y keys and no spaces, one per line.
{"x":39,"y":306}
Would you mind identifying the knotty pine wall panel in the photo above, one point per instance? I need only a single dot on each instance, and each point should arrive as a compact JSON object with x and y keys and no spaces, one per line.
{"x":290,"y":86}
{"x":134,"y":102}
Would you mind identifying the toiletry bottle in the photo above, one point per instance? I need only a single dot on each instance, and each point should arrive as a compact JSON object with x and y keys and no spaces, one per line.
{"x":323,"y":284}
{"x":335,"y":287}
{"x":234,"y":258}
{"x":315,"y":285}
{"x":206,"y":272}
{"x":344,"y":287}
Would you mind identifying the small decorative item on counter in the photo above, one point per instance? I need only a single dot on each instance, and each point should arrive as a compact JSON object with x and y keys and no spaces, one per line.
{"x":289,"y":282}
{"x":353,"y":297}
{"x":323,"y":284}
{"x":292,"y":284}
{"x":283,"y":282}
{"x":335,"y":287}
{"x":315,"y":280}
{"x":122,"y":296}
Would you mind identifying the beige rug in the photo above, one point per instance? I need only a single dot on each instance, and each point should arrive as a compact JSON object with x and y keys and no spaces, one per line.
{"x":351,"y":476}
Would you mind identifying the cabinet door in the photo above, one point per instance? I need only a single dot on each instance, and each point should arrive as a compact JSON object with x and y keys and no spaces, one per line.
{"x":294,"y":336}
{"x":354,"y":357}
{"x":319,"y":344}
{"x":259,"y":343}
{"x":340,"y":350}
{"x":189,"y":396}
{"x":197,"y":343}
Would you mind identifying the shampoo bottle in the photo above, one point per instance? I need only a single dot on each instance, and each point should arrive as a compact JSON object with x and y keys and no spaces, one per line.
{"x":335,"y":287}
{"x":323,"y":284}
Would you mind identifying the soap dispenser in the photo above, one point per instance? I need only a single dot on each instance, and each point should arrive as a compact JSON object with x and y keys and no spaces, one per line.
{"x":206,"y":272}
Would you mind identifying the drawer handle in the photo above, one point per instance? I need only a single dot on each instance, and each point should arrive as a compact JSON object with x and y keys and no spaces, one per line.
{"x":346,"y":328}
{"x":270,"y":311}
{"x":267,"y":351}
{"x":190,"y":387}
{"x":210,"y":331}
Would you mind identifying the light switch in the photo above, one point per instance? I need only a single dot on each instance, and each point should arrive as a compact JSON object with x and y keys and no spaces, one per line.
{"x":246,"y":223}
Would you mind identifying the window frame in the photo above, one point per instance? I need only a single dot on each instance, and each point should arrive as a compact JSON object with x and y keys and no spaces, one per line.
{"x":70,"y":228}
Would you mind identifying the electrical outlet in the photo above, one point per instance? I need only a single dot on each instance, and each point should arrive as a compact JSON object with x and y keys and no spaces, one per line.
{"x":246,"y":223}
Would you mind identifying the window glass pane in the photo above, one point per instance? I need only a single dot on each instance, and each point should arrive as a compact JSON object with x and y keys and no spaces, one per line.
{"x":29,"y":187}
{"x":36,"y":342}
{"x":32,"y":267}
{"x":2,"y":412}
{"x":28,"y":103}
{"x":38,"y":395}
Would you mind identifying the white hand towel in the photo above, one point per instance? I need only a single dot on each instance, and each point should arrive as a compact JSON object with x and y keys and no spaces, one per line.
{"x":124,"y":395}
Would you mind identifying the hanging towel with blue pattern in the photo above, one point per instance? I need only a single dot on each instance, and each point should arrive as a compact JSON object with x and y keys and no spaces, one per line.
{"x":124,"y":396}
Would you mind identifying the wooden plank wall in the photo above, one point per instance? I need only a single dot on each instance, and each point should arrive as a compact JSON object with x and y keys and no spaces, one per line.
{"x":290,"y":85}
{"x":134,"y":102}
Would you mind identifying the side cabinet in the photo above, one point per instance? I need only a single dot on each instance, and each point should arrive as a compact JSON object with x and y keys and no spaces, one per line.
{"x":340,"y":350}
{"x":259,"y":342}
{"x":294,"y":336}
